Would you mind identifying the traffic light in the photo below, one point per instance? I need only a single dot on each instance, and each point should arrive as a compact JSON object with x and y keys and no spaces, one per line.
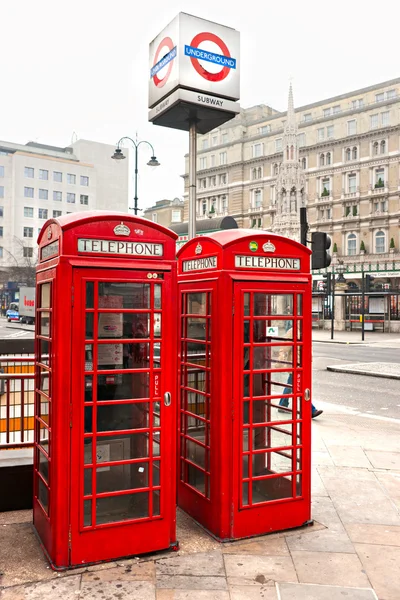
{"x":327,"y":283}
{"x":321,"y":242}
{"x":369,"y":282}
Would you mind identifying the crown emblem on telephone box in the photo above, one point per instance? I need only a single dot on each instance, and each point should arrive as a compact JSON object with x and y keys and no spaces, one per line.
{"x":268,"y":247}
{"x":122,"y":229}
{"x":198,"y":249}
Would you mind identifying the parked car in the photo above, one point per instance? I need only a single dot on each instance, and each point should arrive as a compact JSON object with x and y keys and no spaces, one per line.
{"x":12,"y":315}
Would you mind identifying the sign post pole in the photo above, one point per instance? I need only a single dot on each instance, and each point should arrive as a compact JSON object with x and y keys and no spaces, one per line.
{"x":192,"y":179}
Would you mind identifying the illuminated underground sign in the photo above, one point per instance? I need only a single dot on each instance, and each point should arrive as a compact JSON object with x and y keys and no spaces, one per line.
{"x":268,"y":262}
{"x":199,"y":264}
{"x":120,"y":247}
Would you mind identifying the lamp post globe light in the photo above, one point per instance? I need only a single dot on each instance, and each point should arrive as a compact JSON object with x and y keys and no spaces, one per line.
{"x":153,"y":162}
{"x":340,"y":269}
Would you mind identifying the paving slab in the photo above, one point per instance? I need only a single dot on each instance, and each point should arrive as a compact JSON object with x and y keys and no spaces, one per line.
{"x":324,"y":512}
{"x":258,"y":570}
{"x":246,"y":592}
{"x":145,"y":571}
{"x":386,"y":535}
{"x":66,"y":588}
{"x":382,"y":565}
{"x":188,"y":595}
{"x":210,"y":564}
{"x":390,"y":482}
{"x":346,"y":473}
{"x":117,"y":590}
{"x":373,"y":369}
{"x":317,"y":486}
{"x":349,"y":456}
{"x":301,"y":591}
{"x":15,"y":516}
{"x":266,"y":546}
{"x":384,"y":460}
{"x":321,"y":457}
{"x":334,"y":539}
{"x":330,"y":568}
{"x":186,"y":582}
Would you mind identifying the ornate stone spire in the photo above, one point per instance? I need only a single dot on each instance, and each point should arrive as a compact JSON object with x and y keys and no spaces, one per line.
{"x":290,"y":183}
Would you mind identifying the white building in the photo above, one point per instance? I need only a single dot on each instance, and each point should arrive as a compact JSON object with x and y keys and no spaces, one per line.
{"x":38,"y":182}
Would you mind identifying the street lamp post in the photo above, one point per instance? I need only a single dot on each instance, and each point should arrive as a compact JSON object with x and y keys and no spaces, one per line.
{"x":153,"y":162}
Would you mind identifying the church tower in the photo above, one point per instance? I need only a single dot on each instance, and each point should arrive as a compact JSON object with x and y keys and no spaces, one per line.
{"x":291,"y":181}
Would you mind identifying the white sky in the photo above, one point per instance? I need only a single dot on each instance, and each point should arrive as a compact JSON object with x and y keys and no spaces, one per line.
{"x":82,"y":66}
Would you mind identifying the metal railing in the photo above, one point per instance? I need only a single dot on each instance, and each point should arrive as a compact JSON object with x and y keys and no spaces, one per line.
{"x":17,"y":397}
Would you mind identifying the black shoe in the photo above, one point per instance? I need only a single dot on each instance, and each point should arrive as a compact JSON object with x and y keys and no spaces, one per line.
{"x":316,"y":413}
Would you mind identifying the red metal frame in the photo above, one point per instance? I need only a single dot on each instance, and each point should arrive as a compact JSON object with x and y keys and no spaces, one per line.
{"x":275,"y":463}
{"x":70,"y":535}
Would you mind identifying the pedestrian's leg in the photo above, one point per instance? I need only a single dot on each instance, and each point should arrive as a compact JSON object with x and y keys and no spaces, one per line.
{"x":287,"y":390}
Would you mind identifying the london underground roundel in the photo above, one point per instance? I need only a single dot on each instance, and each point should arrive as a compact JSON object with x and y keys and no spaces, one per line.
{"x":221,"y":59}
{"x":163,"y":66}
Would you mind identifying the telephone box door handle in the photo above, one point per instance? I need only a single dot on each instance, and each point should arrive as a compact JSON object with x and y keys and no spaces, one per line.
{"x":167,"y":399}
{"x":307,"y":394}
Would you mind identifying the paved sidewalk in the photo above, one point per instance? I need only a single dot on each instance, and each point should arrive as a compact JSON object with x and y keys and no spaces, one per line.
{"x":372,"y":338}
{"x":352,"y":551}
{"x":374,"y":369}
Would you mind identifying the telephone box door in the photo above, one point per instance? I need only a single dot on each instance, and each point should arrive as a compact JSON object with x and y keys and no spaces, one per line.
{"x":272,"y":406}
{"x":122,"y":496}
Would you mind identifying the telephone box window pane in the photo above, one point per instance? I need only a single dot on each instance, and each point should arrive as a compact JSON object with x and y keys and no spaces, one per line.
{"x":88,"y":449}
{"x":196,"y":328}
{"x":121,"y":417}
{"x":299,"y":304}
{"x":245,"y":466}
{"x":157,"y":295}
{"x":123,"y":356}
{"x":156,"y":503}
{"x":273,"y":304}
{"x":87,"y":482}
{"x":44,"y":383}
{"x":246,"y":412}
{"x":88,"y":357}
{"x":195,"y":353}
{"x":274,"y":488}
{"x":299,"y":356}
{"x":87,"y":513}
{"x":246,"y":385}
{"x":247,"y":305}
{"x":157,"y":325}
{"x":272,"y":462}
{"x":45,"y":295}
{"x":156,"y":443}
{"x":299,"y":485}
{"x":123,"y":325}
{"x":117,"y":447}
{"x":245,"y":493}
{"x":122,"y":477}
{"x":156,"y":414}
{"x":122,"y":386}
{"x":122,"y":508}
{"x":196,"y":478}
{"x":88,"y":388}
{"x":44,"y":409}
{"x":43,"y":495}
{"x":89,"y":294}
{"x":44,"y":352}
{"x":43,"y":465}
{"x":156,"y":473}
{"x":246,"y":331}
{"x":44,"y":324}
{"x":272,"y":437}
{"x":280,"y":383}
{"x":196,"y":453}
{"x":88,"y":419}
{"x":89,"y":326}
{"x":196,"y":379}
{"x":299,"y":331}
{"x":43,"y":437}
{"x":197,"y":304}
{"x":124,"y":295}
{"x":196,"y":404}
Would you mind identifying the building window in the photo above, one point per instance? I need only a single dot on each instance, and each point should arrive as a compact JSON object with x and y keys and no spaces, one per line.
{"x":203,"y":162}
{"x":307,"y":117}
{"x":1,"y":191}
{"x":327,"y":112}
{"x":385,"y":118}
{"x":176,"y":216}
{"x":375,"y":148}
{"x":278,"y":145}
{"x":325,"y":186}
{"x":275,"y":169}
{"x":224,"y":203}
{"x":28,"y":211}
{"x":264,"y":129}
{"x":28,"y":252}
{"x":222,"y":179}
{"x":351,"y":244}
{"x":70,"y":198}
{"x":224,"y":138}
{"x":1,"y":252}
{"x":321,"y":160}
{"x":154,"y":217}
{"x":29,"y":172}
{"x":42,"y":213}
{"x":57,"y":176}
{"x":328,"y":158}
{"x":212,"y":159}
{"x":321,"y":133}
{"x":213,"y":181}
{"x":328,"y":213}
{"x":352,"y":183}
{"x":204,"y":145}
{"x":330,"y":131}
{"x":204,"y":207}
{"x":1,"y":171}
{"x":391,"y":94}
{"x":357,"y":103}
{"x":28,"y":192}
{"x":336,"y":109}
{"x":214,"y":140}
{"x":43,"y":174}
{"x":56,"y":214}
{"x":348,"y":154}
{"x":57,"y":196}
{"x":301,"y":140}
{"x":379,"y":242}
{"x":380,"y":97}
{"x":304,"y":163}
{"x":383,"y":147}
{"x":354,"y":153}
{"x":380,"y":207}
{"x":223,"y":156}
{"x":71,"y":178}
{"x":257,"y":150}
{"x":374,"y":121}
{"x":257,"y":200}
{"x":43,"y":194}
{"x":84,"y":199}
{"x":28,"y":232}
{"x":379,"y":178}
{"x":1,"y":211}
{"x":84,"y":180}
{"x":351,"y":127}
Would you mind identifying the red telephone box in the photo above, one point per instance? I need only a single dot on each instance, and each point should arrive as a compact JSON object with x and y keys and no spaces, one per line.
{"x":245,"y":330}
{"x":105,"y":459}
